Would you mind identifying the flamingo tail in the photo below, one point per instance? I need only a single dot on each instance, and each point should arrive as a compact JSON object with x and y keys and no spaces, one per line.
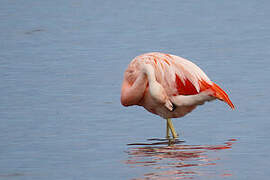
{"x":221,"y":95}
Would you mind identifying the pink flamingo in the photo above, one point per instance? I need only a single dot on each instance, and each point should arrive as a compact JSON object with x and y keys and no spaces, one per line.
{"x":169,"y":86}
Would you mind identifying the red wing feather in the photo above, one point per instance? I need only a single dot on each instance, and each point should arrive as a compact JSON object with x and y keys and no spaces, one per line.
{"x":188,"y":88}
{"x":222,"y":95}
{"x":185,"y":89}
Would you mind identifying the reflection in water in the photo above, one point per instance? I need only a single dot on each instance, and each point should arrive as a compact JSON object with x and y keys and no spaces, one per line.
{"x":177,"y":161}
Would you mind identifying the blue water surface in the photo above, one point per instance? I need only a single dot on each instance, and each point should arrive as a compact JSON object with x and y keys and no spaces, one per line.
{"x":61,"y":69}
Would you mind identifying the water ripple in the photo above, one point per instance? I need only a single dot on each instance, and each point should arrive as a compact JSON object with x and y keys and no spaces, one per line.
{"x":178,"y":161}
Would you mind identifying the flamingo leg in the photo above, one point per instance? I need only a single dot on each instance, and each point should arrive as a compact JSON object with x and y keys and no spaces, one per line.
{"x":167,"y":130}
{"x":170,"y":124}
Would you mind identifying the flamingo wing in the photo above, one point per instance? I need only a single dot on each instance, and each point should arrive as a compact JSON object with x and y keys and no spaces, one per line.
{"x":180,"y":76}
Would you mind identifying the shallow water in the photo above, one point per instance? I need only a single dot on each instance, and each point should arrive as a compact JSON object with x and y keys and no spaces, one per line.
{"x":179,"y":161}
{"x":61,"y":67}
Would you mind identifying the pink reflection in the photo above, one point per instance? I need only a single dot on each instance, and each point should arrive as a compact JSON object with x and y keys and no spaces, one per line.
{"x":177,"y":161}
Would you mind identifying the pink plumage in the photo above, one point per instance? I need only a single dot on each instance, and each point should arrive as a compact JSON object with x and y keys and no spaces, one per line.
{"x":168,"y":85}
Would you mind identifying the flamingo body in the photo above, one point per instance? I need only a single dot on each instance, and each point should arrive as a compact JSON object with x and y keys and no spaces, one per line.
{"x":168,"y":85}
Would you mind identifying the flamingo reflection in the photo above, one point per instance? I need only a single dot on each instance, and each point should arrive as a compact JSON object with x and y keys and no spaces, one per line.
{"x":176,"y":162}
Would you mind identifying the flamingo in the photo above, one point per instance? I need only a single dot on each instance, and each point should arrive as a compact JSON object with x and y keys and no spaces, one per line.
{"x":168,"y":86}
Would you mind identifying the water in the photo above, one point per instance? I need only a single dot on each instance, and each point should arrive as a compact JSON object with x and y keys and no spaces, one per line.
{"x":61,"y":68}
